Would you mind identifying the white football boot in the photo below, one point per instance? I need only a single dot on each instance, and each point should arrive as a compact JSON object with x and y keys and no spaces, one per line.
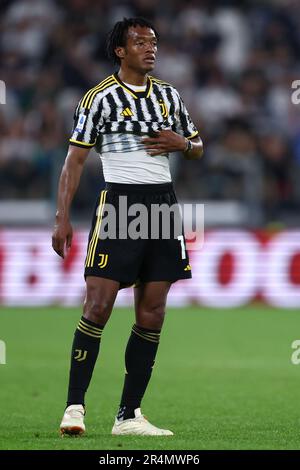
{"x":72,"y":422}
{"x":138,"y":426}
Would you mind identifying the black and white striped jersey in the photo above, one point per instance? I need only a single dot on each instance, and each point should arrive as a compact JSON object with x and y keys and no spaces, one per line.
{"x":113,"y":118}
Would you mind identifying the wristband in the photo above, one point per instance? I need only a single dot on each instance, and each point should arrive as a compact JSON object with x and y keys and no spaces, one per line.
{"x":189,"y":145}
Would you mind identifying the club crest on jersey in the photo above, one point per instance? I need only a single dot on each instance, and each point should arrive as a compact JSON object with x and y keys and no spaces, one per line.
{"x":164,"y":109}
{"x":127,"y":112}
{"x":80,"y":123}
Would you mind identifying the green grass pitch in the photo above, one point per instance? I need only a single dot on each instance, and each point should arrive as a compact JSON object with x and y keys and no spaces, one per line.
{"x":222,"y":380}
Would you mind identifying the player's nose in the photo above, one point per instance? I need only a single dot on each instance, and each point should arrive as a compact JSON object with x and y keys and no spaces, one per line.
{"x":151,"y":48}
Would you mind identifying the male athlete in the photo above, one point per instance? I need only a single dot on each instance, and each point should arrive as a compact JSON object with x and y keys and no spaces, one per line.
{"x":134,"y":121}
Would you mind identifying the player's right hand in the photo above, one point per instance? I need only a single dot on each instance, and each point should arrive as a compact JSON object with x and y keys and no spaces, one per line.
{"x":62,"y":236}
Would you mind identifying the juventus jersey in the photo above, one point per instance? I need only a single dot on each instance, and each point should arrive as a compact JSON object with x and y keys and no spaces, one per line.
{"x":113,"y":118}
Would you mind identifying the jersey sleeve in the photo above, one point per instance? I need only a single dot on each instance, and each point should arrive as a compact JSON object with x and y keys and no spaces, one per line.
{"x":88,"y":120}
{"x":183,"y":124}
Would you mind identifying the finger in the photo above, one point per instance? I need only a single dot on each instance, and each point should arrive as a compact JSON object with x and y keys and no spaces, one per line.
{"x":149,"y":140}
{"x":58,"y":246}
{"x":156,"y":152}
{"x":153,"y":147}
{"x":151,"y":134}
{"x":58,"y":252}
{"x":69,"y":240}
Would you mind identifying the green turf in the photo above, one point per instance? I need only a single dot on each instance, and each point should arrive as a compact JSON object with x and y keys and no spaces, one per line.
{"x":222,"y":380}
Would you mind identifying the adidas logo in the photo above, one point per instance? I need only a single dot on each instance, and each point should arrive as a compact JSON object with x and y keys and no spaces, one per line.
{"x":127,"y":112}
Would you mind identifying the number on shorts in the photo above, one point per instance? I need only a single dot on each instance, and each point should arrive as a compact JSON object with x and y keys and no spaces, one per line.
{"x":183,"y":253}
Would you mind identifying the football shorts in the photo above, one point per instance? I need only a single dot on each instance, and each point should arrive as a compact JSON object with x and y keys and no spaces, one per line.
{"x":137,"y":235}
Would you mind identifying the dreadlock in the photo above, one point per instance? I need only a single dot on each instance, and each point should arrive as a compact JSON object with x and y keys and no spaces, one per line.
{"x":117,"y":37}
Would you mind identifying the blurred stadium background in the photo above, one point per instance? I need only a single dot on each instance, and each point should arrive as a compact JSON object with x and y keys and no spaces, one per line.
{"x":234,"y":63}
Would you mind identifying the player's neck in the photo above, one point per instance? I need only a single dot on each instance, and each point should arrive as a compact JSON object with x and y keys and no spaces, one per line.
{"x":132,"y":77}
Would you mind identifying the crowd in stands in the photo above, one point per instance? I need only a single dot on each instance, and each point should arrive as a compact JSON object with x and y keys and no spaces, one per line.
{"x":232,"y":61}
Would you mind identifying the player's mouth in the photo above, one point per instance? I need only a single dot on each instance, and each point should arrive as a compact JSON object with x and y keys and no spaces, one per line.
{"x":149,"y":60}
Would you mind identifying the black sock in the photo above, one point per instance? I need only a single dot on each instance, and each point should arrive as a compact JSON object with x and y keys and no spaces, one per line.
{"x":85,"y":351}
{"x":139,"y":359}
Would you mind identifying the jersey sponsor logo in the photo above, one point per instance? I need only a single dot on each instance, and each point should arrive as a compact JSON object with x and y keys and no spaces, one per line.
{"x":126,"y":112}
{"x":80,"y":123}
{"x":103,"y":260}
{"x":81,"y":355}
{"x":164,"y":109}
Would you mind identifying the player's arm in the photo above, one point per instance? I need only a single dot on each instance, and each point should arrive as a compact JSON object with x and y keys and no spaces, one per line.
{"x":167,"y":141}
{"x":68,"y":184}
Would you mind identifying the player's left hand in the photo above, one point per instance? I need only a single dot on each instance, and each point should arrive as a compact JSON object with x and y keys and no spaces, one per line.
{"x":165,"y":141}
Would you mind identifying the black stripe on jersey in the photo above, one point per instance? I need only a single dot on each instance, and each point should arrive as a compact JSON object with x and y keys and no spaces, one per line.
{"x":139,"y":111}
{"x":113,"y":107}
{"x":159,"y":97}
{"x":171,"y":101}
{"x":150,"y":106}
{"x":183,"y":121}
{"x":144,"y":115}
{"x":136,"y":127}
{"x":112,"y":127}
{"x":95,"y":130}
{"x":122,"y":127}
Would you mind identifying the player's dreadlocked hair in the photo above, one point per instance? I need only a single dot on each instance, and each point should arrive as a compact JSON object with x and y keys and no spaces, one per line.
{"x":118,"y":35}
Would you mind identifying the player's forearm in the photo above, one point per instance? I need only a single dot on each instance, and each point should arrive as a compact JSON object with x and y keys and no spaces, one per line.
{"x":69,"y":181}
{"x":68,"y":184}
{"x":195,"y":150}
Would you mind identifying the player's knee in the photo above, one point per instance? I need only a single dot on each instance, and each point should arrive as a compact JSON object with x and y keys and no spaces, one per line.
{"x":97,"y":310}
{"x":152,"y":316}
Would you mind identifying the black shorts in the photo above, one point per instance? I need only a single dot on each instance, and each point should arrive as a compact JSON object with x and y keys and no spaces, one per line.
{"x":133,"y":261}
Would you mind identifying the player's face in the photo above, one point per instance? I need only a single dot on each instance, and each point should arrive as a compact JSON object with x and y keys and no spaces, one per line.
{"x":140,"y":49}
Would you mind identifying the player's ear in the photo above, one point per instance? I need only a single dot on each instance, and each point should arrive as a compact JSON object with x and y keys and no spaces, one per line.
{"x":120,"y":52}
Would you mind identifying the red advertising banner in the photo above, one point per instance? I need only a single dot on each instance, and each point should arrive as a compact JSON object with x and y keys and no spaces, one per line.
{"x":232,"y":268}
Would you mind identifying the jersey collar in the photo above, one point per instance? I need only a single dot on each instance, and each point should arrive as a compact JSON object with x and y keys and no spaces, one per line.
{"x":135,"y":94}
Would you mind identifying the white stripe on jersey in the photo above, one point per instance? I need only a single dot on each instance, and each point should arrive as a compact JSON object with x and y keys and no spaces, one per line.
{"x":135,"y":168}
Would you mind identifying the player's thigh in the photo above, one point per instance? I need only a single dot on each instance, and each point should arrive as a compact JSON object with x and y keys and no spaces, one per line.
{"x":100,"y":296}
{"x":150,"y":300}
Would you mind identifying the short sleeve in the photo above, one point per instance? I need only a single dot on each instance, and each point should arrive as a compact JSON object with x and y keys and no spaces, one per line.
{"x":87,"y":122}
{"x":183,"y":124}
